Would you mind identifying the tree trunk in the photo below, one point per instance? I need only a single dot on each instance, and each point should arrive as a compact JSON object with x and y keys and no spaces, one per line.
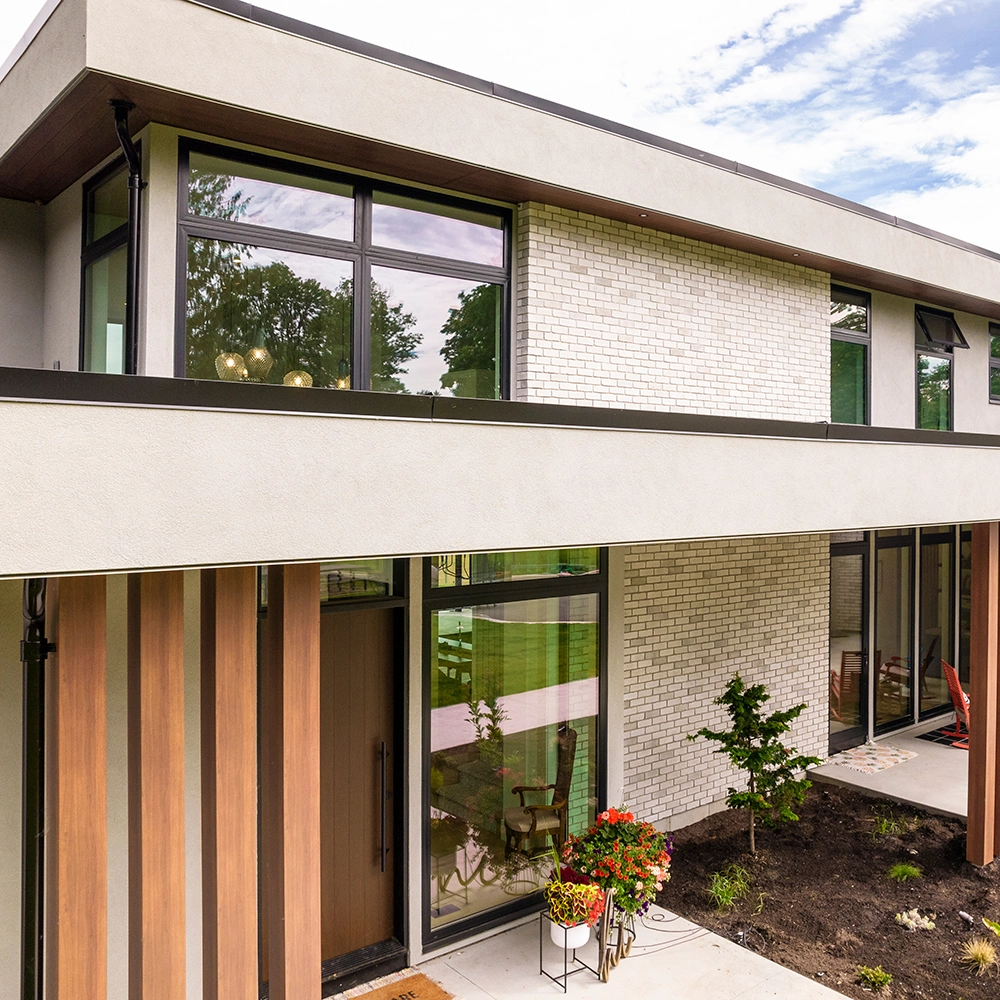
{"x":753,"y":849}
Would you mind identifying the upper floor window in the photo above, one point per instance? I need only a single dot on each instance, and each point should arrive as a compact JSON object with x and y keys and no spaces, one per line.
{"x":937,"y":335}
{"x":850,"y":340}
{"x":995,"y":362}
{"x":306,"y":277}
{"x":104,"y":262}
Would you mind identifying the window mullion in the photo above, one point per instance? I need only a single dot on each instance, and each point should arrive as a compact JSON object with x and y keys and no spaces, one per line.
{"x":363,"y":288}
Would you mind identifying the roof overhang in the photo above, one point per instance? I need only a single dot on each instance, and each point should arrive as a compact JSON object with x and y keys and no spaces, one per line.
{"x":249,"y":76}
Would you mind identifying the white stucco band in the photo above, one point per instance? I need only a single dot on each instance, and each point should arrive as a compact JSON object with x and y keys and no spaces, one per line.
{"x":113,"y":488}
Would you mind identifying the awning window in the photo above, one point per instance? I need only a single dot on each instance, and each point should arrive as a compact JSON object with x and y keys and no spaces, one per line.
{"x":939,"y":328}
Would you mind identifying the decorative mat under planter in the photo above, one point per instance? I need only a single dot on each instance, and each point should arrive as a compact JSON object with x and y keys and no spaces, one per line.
{"x":408,"y":984}
{"x":946,"y":736}
{"x":871,"y":757}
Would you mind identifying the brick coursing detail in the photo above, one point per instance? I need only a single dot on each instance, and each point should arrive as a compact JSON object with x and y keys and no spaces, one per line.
{"x":696,"y":613}
{"x":611,"y":314}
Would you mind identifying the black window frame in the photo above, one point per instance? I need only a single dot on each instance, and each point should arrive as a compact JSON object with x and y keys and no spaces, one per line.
{"x":93,"y":251}
{"x":994,"y":366}
{"x":360,"y":251}
{"x":853,"y":337}
{"x":933,"y":348}
{"x":441,"y":598}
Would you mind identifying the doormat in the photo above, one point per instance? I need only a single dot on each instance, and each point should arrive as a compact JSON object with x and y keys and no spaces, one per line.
{"x":408,"y":984}
{"x":871,"y":757}
{"x":948,"y":740}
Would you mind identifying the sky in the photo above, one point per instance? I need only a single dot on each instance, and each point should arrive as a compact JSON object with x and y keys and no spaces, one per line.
{"x":892,"y":103}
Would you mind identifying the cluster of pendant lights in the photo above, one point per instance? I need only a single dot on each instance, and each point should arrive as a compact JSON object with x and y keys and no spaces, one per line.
{"x":255,"y":366}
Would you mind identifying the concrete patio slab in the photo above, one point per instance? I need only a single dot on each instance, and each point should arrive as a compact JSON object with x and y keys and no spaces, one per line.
{"x":671,"y":957}
{"x":937,"y":779}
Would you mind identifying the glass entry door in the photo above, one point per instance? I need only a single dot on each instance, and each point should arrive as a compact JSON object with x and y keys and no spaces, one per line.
{"x":848,"y":640}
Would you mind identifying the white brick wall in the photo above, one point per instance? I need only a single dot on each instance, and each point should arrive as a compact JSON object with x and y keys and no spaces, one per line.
{"x":609,"y":314}
{"x":695,"y":614}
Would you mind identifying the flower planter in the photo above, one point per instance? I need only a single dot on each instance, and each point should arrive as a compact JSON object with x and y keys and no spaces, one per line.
{"x":570,"y":937}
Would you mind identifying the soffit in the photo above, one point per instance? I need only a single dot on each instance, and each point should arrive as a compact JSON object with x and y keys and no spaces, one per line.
{"x":77,"y":133}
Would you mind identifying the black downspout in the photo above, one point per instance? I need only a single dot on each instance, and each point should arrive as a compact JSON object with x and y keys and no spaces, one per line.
{"x":34,"y":650}
{"x":135,"y":186}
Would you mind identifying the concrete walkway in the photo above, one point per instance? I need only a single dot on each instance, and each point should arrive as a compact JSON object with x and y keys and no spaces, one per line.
{"x":937,"y":779}
{"x":671,"y":958}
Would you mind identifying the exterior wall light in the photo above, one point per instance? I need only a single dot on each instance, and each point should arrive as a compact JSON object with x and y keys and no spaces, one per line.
{"x":303,"y":379}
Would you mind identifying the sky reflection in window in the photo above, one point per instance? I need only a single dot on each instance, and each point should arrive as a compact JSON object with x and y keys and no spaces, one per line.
{"x":260,"y":196}
{"x":402,"y":223}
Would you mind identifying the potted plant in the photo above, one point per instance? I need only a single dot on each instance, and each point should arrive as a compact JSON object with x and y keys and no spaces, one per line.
{"x":575,"y":906}
{"x":623,"y":856}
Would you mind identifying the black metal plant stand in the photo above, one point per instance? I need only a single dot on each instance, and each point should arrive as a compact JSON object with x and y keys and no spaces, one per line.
{"x":571,"y":964}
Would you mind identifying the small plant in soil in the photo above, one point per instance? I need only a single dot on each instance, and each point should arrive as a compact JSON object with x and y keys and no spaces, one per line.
{"x":903,"y":871}
{"x":753,"y":745}
{"x":886,"y":824}
{"x":979,"y":954}
{"x":728,"y":886}
{"x":876,"y":979}
{"x":993,"y":926}
{"x":913,"y":921}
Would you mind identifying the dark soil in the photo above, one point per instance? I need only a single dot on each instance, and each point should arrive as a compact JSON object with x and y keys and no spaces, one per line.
{"x":828,"y":906}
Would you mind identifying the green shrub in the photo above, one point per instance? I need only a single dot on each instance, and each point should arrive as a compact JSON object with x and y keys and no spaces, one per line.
{"x":903,"y":870}
{"x":876,"y":979}
{"x":728,"y":886}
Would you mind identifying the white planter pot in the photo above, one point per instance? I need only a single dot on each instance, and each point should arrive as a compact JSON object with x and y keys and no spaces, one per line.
{"x":569,"y":937}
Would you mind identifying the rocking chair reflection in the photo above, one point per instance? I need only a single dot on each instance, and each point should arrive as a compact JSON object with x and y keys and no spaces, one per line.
{"x":525,"y":822}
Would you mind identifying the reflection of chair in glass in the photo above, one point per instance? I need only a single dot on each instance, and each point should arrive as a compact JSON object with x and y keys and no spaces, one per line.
{"x":960,"y":701}
{"x":525,"y":821}
{"x":845,"y":681}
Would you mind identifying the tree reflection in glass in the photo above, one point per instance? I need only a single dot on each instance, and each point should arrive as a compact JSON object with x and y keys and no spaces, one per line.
{"x":443,"y":339}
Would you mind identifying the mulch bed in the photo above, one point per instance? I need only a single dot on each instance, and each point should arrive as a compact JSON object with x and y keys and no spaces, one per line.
{"x":827,"y":903}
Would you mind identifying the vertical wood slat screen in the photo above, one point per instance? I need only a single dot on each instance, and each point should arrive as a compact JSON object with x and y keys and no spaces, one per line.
{"x":983,"y":836}
{"x":290,"y":753}
{"x":76,"y":929}
{"x":157,"y":915}
{"x":229,"y":781}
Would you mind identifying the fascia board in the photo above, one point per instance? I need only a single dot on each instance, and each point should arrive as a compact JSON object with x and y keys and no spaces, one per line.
{"x":51,"y":59}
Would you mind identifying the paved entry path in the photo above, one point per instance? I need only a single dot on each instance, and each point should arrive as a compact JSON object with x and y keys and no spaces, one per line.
{"x":672,"y":959}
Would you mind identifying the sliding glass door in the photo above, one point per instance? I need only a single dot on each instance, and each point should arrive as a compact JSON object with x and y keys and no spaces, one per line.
{"x":893,"y":628}
{"x":937,"y":616}
{"x":848,"y":639}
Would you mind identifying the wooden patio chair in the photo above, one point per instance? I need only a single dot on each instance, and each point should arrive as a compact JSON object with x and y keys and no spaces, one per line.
{"x":525,"y":821}
{"x":960,"y":702}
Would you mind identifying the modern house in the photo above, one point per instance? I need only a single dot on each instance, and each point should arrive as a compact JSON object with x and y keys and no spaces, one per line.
{"x":379,"y":442}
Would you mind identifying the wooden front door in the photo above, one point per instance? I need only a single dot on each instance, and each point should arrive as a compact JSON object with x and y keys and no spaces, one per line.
{"x":357,"y":797}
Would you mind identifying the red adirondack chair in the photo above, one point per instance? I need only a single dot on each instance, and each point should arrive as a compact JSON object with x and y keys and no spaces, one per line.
{"x":960,"y":701}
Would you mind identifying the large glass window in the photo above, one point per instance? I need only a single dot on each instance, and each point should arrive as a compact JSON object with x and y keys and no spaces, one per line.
{"x":937,"y":337}
{"x":465,"y":569}
{"x":256,"y":314}
{"x":937,"y":614}
{"x":933,"y":392}
{"x":104,"y":272}
{"x":514,"y":736}
{"x":340,"y":283}
{"x":893,"y":627}
{"x":848,"y":638}
{"x":850,"y":338}
{"x":995,"y":362}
